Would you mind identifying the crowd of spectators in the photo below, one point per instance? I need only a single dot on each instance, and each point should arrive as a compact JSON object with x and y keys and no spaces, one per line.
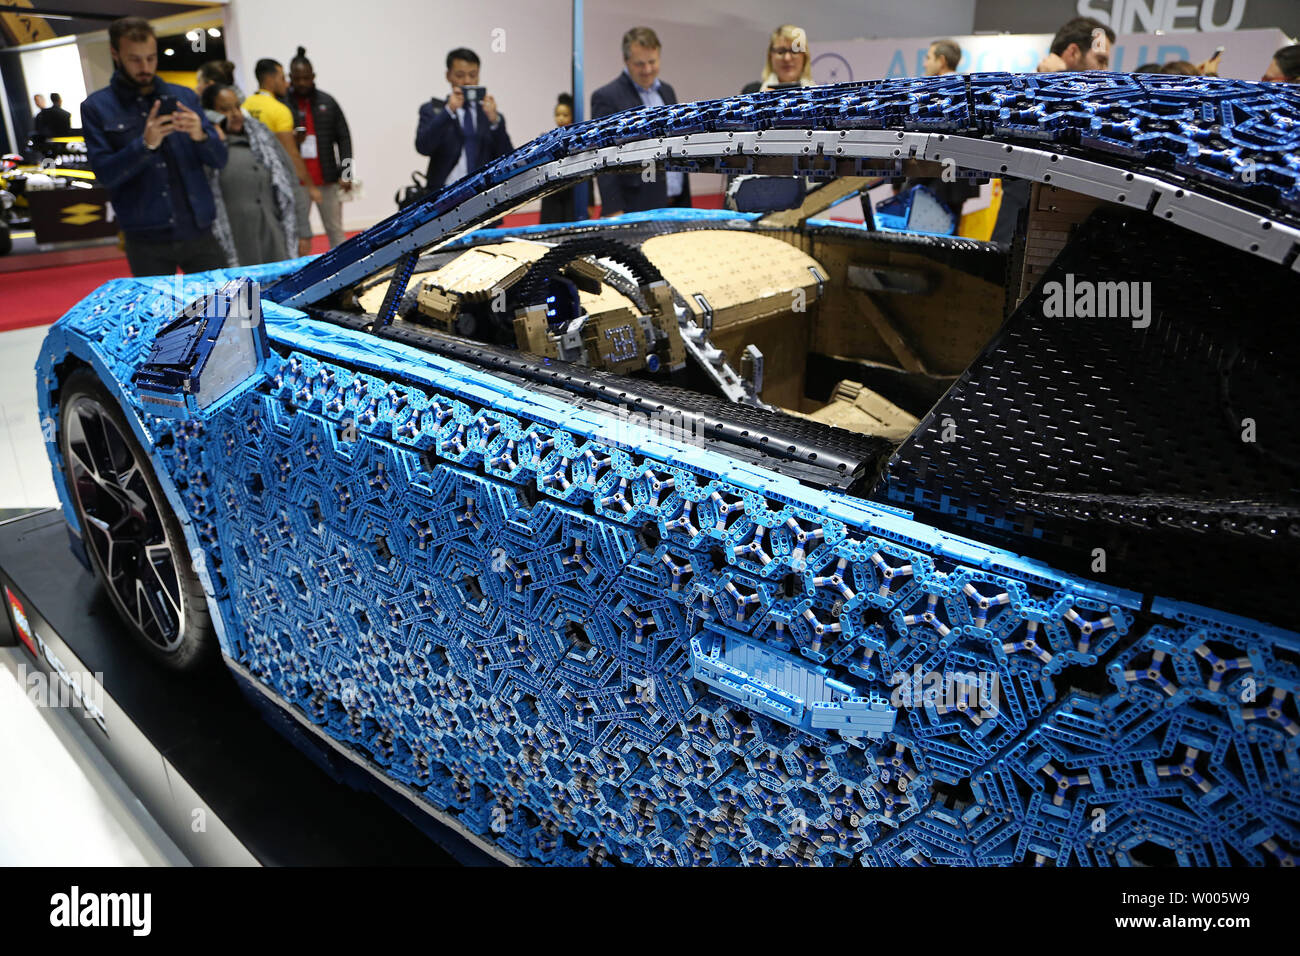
{"x":237,"y":188}
{"x":459,"y":139}
{"x":215,"y":178}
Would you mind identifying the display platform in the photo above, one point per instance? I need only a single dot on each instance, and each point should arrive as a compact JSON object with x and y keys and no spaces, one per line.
{"x":222,"y":786}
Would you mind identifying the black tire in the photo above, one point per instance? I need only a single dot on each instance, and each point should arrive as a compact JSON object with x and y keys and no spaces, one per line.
{"x":129,"y":530}
{"x":6,"y":239}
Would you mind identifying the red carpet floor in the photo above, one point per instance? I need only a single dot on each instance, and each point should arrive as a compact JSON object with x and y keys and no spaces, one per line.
{"x":39,"y":296}
{"x":42,"y":293}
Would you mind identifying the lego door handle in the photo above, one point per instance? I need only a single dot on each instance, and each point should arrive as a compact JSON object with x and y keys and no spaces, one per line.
{"x":786,"y":688}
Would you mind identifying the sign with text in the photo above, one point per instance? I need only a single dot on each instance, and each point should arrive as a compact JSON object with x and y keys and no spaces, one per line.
{"x":1133,"y":16}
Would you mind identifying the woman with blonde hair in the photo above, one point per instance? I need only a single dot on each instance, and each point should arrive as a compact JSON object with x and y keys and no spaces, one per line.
{"x":788,"y":60}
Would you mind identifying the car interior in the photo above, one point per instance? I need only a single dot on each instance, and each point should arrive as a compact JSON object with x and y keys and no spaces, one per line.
{"x":852,"y":327}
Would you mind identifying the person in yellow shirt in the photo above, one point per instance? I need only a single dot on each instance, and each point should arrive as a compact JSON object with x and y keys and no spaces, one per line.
{"x":278,"y":118}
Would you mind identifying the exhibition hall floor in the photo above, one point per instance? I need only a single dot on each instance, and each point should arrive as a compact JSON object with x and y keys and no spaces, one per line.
{"x":50,"y":814}
{"x":36,"y":289}
{"x":25,"y":480}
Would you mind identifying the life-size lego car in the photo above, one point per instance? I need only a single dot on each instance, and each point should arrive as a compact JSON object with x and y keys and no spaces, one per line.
{"x":750,"y":536}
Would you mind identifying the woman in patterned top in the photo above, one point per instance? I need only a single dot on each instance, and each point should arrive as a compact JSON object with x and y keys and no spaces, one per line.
{"x":256,"y":219}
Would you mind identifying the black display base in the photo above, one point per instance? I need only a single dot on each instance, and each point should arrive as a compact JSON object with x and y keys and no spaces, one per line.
{"x":197,"y":747}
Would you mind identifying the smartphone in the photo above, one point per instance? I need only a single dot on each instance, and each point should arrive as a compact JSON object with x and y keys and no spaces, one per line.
{"x":474,"y":94}
{"x":166,"y":104}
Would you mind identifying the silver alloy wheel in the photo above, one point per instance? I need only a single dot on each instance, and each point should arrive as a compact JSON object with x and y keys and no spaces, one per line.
{"x":123,"y":524}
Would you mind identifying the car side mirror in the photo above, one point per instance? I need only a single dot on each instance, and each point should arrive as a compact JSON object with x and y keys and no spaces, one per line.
{"x":208,"y":356}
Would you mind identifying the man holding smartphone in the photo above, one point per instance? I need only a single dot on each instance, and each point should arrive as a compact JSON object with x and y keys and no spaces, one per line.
{"x":148,"y":143}
{"x":463,"y":132}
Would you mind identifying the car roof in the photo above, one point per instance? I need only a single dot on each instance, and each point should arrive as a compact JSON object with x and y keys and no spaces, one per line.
{"x":1218,"y":156}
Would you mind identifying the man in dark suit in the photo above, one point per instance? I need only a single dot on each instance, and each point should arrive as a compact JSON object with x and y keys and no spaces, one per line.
{"x":54,"y":120}
{"x":638,"y":85}
{"x":458,"y":137}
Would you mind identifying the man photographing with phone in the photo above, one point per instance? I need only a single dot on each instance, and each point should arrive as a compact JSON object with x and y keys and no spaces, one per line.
{"x":463,"y":132}
{"x":148,"y":141}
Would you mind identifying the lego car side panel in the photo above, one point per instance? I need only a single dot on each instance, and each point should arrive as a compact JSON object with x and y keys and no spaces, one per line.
{"x":478,"y":557}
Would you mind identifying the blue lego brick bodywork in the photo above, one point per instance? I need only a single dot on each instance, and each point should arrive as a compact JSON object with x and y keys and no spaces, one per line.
{"x":450,"y":575}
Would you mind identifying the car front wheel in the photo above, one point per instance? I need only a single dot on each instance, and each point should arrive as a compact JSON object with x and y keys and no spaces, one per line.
{"x":129,"y":530}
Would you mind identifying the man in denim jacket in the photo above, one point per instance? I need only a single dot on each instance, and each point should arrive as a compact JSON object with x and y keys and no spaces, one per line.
{"x":148,"y":142}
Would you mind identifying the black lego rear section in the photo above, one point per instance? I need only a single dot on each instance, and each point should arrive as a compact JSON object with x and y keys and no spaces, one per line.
{"x":1171,"y":447}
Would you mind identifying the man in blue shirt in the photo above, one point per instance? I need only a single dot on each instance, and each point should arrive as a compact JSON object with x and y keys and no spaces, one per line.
{"x":148,"y":142}
{"x":638,"y":85}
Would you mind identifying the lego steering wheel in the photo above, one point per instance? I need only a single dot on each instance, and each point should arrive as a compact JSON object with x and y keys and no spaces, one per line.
{"x":544,"y":284}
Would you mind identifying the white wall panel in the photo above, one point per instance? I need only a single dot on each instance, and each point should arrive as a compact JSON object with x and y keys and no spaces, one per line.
{"x":56,"y":69}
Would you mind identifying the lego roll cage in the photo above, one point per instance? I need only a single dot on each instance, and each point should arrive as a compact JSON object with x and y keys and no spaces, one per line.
{"x":800,"y":150}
